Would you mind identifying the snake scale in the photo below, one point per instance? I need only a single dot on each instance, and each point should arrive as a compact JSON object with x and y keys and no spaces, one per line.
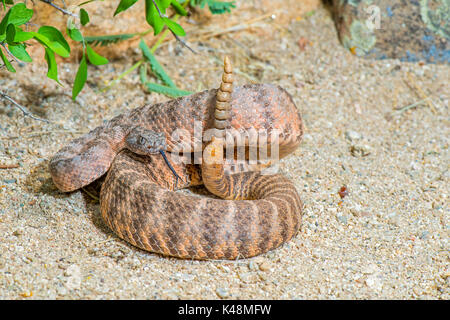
{"x":256,"y":213}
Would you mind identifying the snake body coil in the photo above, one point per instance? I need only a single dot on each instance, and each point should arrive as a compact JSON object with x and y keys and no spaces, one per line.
{"x":137,"y":201}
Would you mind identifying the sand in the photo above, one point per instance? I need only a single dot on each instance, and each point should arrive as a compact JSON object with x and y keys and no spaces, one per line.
{"x":386,"y":239}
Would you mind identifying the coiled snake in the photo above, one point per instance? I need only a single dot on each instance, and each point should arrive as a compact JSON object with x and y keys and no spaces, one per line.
{"x":257,"y":212}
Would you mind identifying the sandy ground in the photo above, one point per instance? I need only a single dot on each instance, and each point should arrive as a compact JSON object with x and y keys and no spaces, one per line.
{"x":388,"y":238}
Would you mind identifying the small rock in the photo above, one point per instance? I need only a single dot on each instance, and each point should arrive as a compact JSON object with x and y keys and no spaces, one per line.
{"x":343,"y":191}
{"x":71,"y":270}
{"x":222,"y":293}
{"x":17,"y":233}
{"x":374,"y":282}
{"x":185,"y":276}
{"x":360,"y":150}
{"x":352,"y":135}
{"x":358,"y":211}
{"x":74,"y":277}
{"x":424,"y":235}
{"x":62,"y":291}
{"x":370,"y":269}
{"x":263,"y":276}
{"x":341,"y":218}
{"x":265,"y":266}
{"x":414,"y":166}
{"x":245,"y":277}
{"x":252,"y":266}
{"x":9,"y":180}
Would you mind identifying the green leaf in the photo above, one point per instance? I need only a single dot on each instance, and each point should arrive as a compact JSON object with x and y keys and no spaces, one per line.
{"x":54,"y":39}
{"x":163,"y":5}
{"x":4,"y":22}
{"x":75,"y":34}
{"x":200,"y":3}
{"x":6,"y":62}
{"x":108,"y":39}
{"x":20,"y":14}
{"x":168,"y":91}
{"x":52,"y":66}
{"x":143,"y":73}
{"x":84,"y":17}
{"x":219,"y":7}
{"x":22,"y":36}
{"x":10,"y":33}
{"x":124,"y":5}
{"x":152,"y":17}
{"x":17,"y":15}
{"x":216,"y":7}
{"x":94,"y":57}
{"x":178,"y":8}
{"x":80,"y":78}
{"x":19,"y":52}
{"x":157,"y":69}
{"x":174,"y":27}
{"x":86,"y":2}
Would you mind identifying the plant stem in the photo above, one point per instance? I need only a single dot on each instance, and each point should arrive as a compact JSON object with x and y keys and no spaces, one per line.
{"x":22,"y":108}
{"x":50,"y":2}
{"x":123,"y":74}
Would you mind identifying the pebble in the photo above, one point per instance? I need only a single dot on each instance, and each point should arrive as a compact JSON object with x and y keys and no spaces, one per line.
{"x":424,"y":235}
{"x":185,"y":276}
{"x":9,"y":180}
{"x":222,"y":293}
{"x":74,"y":277}
{"x":370,"y":269}
{"x":352,"y":135}
{"x":374,"y":282}
{"x":265,"y":266}
{"x":342,"y":218}
{"x":245,"y":277}
{"x":62,"y":291}
{"x":252,"y":265}
{"x":360,"y":150}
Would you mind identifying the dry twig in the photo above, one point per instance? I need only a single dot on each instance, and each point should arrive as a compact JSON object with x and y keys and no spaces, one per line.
{"x":9,"y":166}
{"x":22,"y":108}
{"x":50,"y":2}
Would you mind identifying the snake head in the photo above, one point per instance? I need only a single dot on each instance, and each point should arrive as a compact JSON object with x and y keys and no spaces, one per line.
{"x":144,"y":142}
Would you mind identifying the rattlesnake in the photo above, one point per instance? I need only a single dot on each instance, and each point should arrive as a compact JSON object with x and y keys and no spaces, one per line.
{"x":137,"y":198}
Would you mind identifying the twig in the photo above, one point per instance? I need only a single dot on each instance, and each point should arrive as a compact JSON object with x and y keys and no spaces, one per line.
{"x":176,"y":36}
{"x":410,"y":106}
{"x":159,"y":11}
{"x":183,"y":43}
{"x":4,"y":65}
{"x":233,"y":28}
{"x":9,"y":52}
{"x":9,"y":166}
{"x":123,"y":74}
{"x":50,"y":2}
{"x":91,"y":195}
{"x":22,"y":108}
{"x":40,"y":133}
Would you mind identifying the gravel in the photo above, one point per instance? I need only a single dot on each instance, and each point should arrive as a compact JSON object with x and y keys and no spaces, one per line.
{"x":387,"y":239}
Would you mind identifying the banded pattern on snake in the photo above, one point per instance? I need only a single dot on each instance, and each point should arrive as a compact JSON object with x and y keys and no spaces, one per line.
{"x":257,"y":212}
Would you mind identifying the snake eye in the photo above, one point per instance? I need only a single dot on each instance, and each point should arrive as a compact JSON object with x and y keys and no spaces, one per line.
{"x":142,"y":140}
